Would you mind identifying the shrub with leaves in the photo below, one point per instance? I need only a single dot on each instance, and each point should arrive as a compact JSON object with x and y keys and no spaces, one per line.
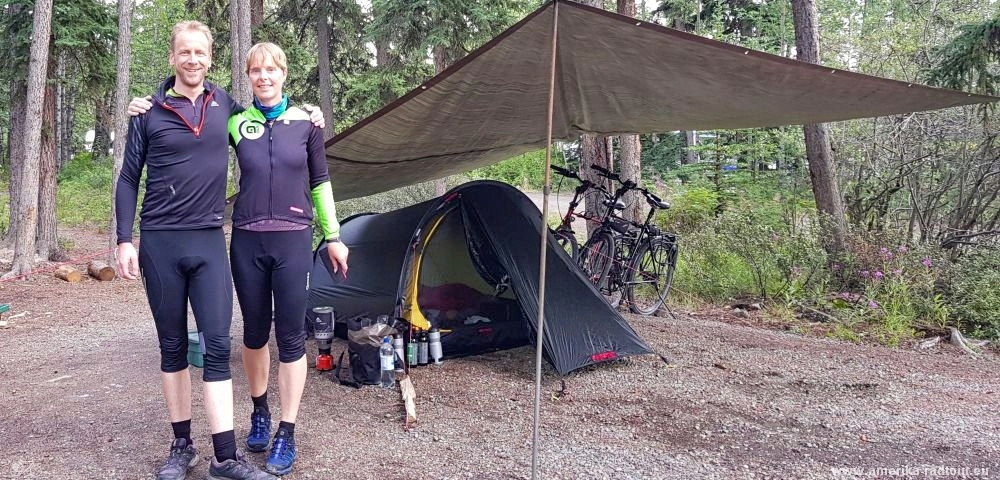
{"x":972,"y":294}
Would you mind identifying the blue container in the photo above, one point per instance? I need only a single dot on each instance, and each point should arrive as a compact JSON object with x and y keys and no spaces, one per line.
{"x":196,"y":350}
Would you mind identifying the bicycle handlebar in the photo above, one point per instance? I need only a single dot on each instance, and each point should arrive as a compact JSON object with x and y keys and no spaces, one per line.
{"x":629,"y":185}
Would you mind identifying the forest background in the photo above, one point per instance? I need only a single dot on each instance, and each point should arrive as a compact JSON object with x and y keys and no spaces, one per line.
{"x":918,"y":192}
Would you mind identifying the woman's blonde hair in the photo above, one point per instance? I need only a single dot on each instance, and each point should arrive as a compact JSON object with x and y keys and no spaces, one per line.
{"x":194,"y":26}
{"x":264,"y":50}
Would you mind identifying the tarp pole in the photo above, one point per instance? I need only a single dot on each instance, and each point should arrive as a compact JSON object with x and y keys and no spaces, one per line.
{"x":540,"y":321}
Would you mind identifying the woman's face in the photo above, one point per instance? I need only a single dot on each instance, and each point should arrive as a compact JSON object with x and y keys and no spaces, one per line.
{"x":266,"y":80}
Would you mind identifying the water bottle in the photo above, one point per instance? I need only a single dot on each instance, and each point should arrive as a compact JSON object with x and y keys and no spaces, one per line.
{"x":388,"y":368}
{"x":398,"y":351}
{"x":434,"y":341}
{"x":411,"y":352}
{"x":422,"y":349}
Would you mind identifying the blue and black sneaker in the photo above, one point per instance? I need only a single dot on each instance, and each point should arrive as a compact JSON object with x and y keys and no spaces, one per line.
{"x":260,"y":431}
{"x":182,"y":457}
{"x":282,"y":456}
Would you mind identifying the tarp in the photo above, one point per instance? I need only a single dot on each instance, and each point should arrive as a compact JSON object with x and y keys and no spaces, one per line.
{"x":614,"y":75}
{"x":442,"y":261}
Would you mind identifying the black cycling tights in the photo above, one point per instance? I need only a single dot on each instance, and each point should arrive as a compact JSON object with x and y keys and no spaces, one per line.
{"x":182,"y":265}
{"x":274,"y":265}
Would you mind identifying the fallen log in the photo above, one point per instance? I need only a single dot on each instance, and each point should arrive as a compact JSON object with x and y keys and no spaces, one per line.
{"x":68,"y":273}
{"x":101,"y":271}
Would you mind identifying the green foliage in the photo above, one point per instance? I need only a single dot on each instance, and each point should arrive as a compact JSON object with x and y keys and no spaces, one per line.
{"x":972,"y":294}
{"x":84,"y":196}
{"x":746,"y":253}
{"x":691,"y":210}
{"x":969,"y":60}
{"x":525,"y":171}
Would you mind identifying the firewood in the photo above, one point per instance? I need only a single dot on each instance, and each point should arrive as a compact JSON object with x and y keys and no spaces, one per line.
{"x":101,"y":271}
{"x":68,"y":273}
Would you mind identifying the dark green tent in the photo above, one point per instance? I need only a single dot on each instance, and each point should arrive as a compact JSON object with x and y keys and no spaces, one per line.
{"x":467,"y":263}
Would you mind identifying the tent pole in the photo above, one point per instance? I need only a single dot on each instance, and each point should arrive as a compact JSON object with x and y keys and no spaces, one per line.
{"x":540,"y":321}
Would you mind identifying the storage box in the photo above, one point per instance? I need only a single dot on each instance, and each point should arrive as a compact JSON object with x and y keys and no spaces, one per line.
{"x":196,"y":350}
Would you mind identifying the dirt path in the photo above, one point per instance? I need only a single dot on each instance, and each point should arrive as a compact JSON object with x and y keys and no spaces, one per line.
{"x":81,"y":400}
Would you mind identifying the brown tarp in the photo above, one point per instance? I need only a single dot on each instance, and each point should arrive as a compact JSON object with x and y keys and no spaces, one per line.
{"x":614,"y":75}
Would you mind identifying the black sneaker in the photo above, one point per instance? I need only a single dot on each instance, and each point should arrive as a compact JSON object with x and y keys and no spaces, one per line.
{"x":239,"y":469}
{"x":182,"y":457}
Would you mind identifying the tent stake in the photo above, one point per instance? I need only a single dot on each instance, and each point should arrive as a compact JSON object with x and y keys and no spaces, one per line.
{"x":540,"y":322}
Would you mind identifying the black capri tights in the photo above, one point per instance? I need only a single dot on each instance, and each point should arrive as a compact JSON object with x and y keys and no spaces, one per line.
{"x":274,"y":265}
{"x":182,"y":265}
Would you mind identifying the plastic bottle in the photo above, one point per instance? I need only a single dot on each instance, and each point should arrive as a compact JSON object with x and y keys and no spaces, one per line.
{"x":422,"y":349}
{"x":411,"y":351}
{"x":434,"y":346}
{"x":399,"y":355}
{"x":385,"y":358}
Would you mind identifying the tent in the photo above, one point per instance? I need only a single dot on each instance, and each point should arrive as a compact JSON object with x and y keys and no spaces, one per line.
{"x":467,"y":263}
{"x":613,"y":74}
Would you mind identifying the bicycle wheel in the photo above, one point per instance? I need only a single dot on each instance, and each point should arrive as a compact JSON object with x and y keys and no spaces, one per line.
{"x":596,"y":257}
{"x":567,"y":241}
{"x":649,"y":275}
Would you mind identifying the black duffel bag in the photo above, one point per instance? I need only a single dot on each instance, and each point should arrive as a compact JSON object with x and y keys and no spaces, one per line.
{"x":364,"y":337}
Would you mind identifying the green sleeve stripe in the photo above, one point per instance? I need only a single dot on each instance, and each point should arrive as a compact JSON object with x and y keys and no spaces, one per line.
{"x":234,"y":128}
{"x":326,"y":212}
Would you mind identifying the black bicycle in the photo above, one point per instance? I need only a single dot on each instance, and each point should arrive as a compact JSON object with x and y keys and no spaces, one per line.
{"x":631,"y":259}
{"x":563,"y":233}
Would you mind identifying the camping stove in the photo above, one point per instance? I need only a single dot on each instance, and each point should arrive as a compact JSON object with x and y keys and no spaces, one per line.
{"x":323,"y":332}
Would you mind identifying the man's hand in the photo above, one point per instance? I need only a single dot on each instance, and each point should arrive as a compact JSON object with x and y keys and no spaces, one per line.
{"x":338,"y":257}
{"x":316,"y":117}
{"x":139,"y":106}
{"x":128,"y":261}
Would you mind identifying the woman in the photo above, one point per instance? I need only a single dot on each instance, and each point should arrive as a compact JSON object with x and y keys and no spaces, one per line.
{"x":283,"y":175}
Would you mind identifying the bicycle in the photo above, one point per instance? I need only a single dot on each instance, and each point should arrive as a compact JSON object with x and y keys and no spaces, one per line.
{"x":637,"y":260}
{"x":563,"y":233}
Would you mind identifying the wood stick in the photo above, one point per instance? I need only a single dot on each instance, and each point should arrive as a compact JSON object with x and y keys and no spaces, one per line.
{"x":409,"y":398}
{"x":68,"y":273}
{"x":101,"y":271}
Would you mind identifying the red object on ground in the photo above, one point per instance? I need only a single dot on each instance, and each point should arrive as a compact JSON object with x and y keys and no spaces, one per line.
{"x":324,"y":363}
{"x":600,"y":357}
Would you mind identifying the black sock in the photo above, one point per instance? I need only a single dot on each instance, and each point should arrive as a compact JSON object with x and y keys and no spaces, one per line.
{"x":182,"y":430}
{"x":285,"y":429}
{"x":224,"y":444}
{"x":261,"y":403}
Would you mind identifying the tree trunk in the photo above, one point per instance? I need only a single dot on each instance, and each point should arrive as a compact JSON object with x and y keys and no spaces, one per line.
{"x":593,"y":151}
{"x":256,"y":13}
{"x":24,"y":236}
{"x":102,"y":127}
{"x":822,"y":169}
{"x":47,"y":240}
{"x":67,"y":122}
{"x":631,"y":169}
{"x":630,"y":149}
{"x":691,"y":155}
{"x":239,"y":23}
{"x":15,"y":155}
{"x":323,"y":66}
{"x":124,"y":58}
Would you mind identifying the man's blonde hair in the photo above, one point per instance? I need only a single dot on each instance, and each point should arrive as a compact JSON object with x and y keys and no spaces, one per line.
{"x":191,"y":26}
{"x":260,"y":52}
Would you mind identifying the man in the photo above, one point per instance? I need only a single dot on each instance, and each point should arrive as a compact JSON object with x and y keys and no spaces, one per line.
{"x":183,"y":143}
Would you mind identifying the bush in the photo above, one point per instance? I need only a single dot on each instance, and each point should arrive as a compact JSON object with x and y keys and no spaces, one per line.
{"x":524,"y":171}
{"x":972,"y":295}
{"x":691,"y":210}
{"x":742,"y":254}
{"x":84,"y":195}
{"x":892,"y":289}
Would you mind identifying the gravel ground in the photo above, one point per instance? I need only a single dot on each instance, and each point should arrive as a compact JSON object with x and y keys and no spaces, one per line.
{"x":81,"y":400}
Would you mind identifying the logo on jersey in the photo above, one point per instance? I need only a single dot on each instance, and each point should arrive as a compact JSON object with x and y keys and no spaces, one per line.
{"x":251,"y":130}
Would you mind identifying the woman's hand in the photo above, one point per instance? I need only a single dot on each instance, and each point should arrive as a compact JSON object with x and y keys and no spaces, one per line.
{"x":338,"y":256}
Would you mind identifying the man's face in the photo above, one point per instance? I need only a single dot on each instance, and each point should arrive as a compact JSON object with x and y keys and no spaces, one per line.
{"x":191,"y":57}
{"x":266,"y":80}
